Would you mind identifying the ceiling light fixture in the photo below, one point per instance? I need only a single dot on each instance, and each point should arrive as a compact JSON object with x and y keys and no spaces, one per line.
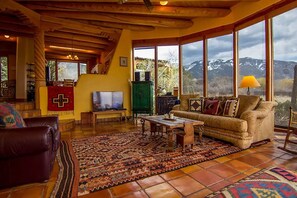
{"x":72,"y":56}
{"x":163,"y":3}
{"x":6,"y":36}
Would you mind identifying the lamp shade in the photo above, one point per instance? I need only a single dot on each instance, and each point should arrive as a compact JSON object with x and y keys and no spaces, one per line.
{"x":249,"y":81}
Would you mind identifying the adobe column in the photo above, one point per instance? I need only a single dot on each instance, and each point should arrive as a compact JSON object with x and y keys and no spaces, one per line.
{"x":39,"y":57}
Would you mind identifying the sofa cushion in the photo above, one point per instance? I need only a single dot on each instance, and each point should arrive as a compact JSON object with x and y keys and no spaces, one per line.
{"x":231,"y":108}
{"x":10,"y":117}
{"x":247,"y":103}
{"x":184,"y":101}
{"x":211,"y":106}
{"x":196,"y":104}
{"x":228,"y":123}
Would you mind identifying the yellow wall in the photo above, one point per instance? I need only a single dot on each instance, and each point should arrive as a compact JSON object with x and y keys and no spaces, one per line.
{"x":117,"y":79}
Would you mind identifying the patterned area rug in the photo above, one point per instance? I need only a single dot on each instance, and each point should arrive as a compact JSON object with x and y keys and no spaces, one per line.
{"x":273,"y":182}
{"x":94,"y":163}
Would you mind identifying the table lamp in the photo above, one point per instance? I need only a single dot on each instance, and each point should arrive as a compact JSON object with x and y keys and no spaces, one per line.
{"x":249,"y":82}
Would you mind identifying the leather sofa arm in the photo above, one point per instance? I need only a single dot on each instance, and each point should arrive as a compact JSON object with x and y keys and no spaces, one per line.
{"x":15,"y":142}
{"x":43,"y":121}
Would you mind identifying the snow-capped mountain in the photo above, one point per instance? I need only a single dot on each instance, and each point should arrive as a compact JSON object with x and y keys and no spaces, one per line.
{"x":247,"y":66}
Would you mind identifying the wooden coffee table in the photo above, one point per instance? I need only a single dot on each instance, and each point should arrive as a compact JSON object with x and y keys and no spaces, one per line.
{"x":170,"y":124}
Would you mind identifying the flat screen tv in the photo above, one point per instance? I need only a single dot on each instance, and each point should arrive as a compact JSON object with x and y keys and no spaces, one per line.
{"x":107,"y":100}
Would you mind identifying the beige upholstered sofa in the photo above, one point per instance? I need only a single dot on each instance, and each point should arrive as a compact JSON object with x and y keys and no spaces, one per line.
{"x":253,"y":122}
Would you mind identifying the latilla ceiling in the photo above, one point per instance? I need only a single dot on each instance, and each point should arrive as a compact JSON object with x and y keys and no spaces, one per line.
{"x":93,"y":27}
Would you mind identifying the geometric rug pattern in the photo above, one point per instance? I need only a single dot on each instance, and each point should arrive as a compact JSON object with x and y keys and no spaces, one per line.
{"x":98,"y":162}
{"x":272,"y":182}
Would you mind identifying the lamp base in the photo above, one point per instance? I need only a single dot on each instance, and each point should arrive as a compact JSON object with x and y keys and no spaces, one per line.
{"x":248,"y":91}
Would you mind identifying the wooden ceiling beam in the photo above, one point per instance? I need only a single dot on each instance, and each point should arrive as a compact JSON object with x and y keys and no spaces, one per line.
{"x":78,"y":32}
{"x":77,"y":37}
{"x":110,"y":34}
{"x":65,"y":53}
{"x":49,"y":40}
{"x":121,"y":18}
{"x":16,"y":28}
{"x":72,"y":48}
{"x":10,"y":19}
{"x":15,"y":34}
{"x":169,"y":11}
{"x":29,"y":17}
{"x":120,"y":25}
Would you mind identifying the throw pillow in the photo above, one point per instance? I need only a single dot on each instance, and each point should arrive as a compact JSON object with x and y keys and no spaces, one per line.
{"x":231,"y":108}
{"x":247,"y":103}
{"x":10,"y":117}
{"x":196,"y":104}
{"x":211,"y":107}
{"x":223,"y":100}
{"x":184,"y":101}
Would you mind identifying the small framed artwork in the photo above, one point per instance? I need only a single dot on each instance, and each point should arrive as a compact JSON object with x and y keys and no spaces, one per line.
{"x":123,"y":61}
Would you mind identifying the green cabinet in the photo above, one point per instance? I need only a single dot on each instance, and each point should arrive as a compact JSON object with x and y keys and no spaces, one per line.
{"x":142,"y":97}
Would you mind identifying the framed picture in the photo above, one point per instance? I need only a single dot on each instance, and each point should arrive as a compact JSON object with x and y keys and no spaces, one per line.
{"x":123,"y":61}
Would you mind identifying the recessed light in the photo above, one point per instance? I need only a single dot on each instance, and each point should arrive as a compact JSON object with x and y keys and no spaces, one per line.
{"x":6,"y":36}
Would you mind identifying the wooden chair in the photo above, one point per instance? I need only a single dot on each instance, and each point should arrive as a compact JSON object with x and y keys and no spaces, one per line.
{"x":186,"y":137}
{"x":290,"y":144}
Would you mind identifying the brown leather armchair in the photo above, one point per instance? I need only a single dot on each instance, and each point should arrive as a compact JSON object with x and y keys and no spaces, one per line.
{"x":27,"y":154}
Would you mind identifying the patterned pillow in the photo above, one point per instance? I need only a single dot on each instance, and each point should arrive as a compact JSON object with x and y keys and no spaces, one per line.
{"x":196,"y":104}
{"x":211,"y":107}
{"x":10,"y":117}
{"x":184,"y":101}
{"x":223,"y":100}
{"x":231,"y":108}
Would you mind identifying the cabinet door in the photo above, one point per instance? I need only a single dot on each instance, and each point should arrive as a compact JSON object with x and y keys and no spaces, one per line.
{"x":141,"y":96}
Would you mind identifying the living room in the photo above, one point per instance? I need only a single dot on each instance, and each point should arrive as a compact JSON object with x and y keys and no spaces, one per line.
{"x":116,"y":72}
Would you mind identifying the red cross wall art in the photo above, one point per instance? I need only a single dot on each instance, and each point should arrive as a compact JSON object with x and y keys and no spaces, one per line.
{"x":60,"y":98}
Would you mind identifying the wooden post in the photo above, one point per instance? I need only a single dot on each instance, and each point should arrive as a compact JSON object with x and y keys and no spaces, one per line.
{"x":294,"y":90}
{"x":39,"y":57}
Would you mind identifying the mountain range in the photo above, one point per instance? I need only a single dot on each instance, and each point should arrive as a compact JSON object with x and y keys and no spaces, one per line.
{"x":247,"y":66}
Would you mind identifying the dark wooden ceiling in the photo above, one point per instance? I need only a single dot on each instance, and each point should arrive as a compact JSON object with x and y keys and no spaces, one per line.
{"x":93,"y":27}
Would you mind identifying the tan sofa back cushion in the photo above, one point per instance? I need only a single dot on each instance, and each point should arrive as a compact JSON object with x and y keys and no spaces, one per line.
{"x":247,"y":103}
{"x":184,"y":101}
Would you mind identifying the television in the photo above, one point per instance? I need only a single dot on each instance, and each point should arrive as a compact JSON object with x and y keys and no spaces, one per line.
{"x":107,"y":100}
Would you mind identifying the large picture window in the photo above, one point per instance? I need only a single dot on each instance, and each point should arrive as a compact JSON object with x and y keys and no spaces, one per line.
{"x":220,"y":65}
{"x":251,"y":46}
{"x":168,"y":68}
{"x":60,"y":70}
{"x":285,"y":64}
{"x":4,"y":68}
{"x":192,"y":68}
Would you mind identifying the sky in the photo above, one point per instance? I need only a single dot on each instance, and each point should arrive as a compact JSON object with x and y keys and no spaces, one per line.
{"x":251,"y":43}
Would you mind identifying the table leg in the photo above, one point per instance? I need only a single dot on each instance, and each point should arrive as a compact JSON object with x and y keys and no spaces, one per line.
{"x":153,"y":128}
{"x":170,"y":146}
{"x":142,"y":121}
{"x":200,"y":132}
{"x":94,"y":121}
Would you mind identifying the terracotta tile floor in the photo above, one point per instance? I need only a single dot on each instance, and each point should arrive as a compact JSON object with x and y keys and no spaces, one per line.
{"x":197,"y":180}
